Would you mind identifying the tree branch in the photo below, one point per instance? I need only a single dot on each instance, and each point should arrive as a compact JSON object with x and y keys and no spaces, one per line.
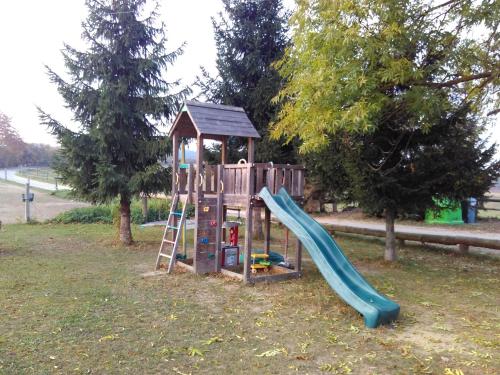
{"x":456,"y":81}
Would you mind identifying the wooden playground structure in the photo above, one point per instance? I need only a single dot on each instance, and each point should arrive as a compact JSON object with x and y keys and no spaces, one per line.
{"x":215,"y":189}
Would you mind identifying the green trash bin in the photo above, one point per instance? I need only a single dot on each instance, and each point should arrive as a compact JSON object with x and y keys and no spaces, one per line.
{"x":448,"y":213}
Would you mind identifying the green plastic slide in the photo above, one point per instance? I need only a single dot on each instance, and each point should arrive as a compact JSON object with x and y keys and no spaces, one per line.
{"x":340,"y":274}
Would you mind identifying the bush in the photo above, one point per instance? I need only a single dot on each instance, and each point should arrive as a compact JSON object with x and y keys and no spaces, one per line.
{"x":86,"y":215}
{"x":158,"y":210}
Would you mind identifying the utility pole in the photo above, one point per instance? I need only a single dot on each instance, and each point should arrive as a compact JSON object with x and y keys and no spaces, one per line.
{"x":27,"y":202}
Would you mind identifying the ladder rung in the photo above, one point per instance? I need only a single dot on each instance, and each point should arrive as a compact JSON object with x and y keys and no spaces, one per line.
{"x":165,"y":255}
{"x":168,"y":241}
{"x":176,"y":213}
{"x":172,"y":227}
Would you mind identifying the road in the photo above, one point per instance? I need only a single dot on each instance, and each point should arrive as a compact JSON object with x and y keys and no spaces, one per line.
{"x":10,"y":175}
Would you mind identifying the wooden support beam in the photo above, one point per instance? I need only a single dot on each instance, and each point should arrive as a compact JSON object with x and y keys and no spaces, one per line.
{"x":175,"y":162}
{"x":224,"y":151}
{"x":267,"y":230}
{"x":199,"y":166}
{"x":190,"y":184}
{"x":248,"y":226}
{"x":298,"y":256}
{"x":251,"y":151}
{"x":220,"y":219}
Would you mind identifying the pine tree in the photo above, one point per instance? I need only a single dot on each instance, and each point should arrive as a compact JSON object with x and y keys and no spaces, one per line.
{"x":118,"y":97}
{"x":393,"y":92}
{"x":250,"y":36}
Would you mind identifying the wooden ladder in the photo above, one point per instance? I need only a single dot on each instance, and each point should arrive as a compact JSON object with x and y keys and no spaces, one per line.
{"x":165,"y":242}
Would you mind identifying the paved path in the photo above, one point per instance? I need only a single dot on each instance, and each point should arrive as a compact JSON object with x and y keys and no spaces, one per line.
{"x":408,"y":228}
{"x":10,"y":175}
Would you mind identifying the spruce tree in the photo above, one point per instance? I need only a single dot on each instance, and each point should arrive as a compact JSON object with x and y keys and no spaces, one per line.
{"x":118,"y":95}
{"x":250,"y":36}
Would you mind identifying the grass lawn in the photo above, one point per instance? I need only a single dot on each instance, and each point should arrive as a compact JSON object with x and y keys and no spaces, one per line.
{"x":72,"y":301}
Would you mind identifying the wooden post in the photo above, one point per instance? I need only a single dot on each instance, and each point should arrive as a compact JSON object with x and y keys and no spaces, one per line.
{"x":298,"y":257}
{"x":224,"y":151}
{"x":251,"y":151}
{"x":199,"y":167}
{"x":27,"y":202}
{"x":190,"y":182}
{"x":224,"y":218}
{"x":463,"y":249}
{"x":248,"y":227}
{"x":267,"y":233}
{"x":175,"y":161}
{"x":220,"y":219}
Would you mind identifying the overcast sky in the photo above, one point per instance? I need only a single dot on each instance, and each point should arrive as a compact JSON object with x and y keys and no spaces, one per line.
{"x":32,"y":33}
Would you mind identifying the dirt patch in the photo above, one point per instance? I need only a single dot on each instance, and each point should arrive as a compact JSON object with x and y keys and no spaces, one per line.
{"x":44,"y":206}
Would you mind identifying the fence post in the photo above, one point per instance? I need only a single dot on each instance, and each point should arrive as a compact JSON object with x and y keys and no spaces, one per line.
{"x":27,"y":203}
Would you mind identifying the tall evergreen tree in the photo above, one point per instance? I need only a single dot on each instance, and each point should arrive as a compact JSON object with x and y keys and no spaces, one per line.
{"x":396,"y":88}
{"x":250,"y":36}
{"x":118,"y":96}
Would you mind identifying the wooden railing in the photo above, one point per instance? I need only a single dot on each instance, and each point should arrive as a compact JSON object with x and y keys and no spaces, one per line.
{"x":238,"y":176}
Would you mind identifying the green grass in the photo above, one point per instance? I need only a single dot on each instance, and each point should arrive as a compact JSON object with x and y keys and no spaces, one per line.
{"x":73,"y":301}
{"x":42,"y":174}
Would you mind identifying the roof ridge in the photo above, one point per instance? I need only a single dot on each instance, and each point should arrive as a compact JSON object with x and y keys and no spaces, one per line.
{"x":222,"y":107}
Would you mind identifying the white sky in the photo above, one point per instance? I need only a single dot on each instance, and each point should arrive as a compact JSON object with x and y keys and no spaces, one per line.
{"x":32,"y":33}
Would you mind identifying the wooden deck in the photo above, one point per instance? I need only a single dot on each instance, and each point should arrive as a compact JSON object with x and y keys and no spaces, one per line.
{"x":236,"y":178}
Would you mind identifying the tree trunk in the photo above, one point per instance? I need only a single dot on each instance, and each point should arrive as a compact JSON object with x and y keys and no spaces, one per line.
{"x":258,"y":233}
{"x":390,"y":237}
{"x":125,"y":230}
{"x":145,"y":207}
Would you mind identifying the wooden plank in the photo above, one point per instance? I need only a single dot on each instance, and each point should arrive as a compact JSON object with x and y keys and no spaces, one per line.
{"x":208,"y":179}
{"x":267,"y":230}
{"x":190,"y":182}
{"x":276,"y":277}
{"x":220,"y":220}
{"x":272,"y":180}
{"x":251,"y":151}
{"x":278,"y":183}
{"x":248,"y":228}
{"x":244,"y":181}
{"x":236,"y":200}
{"x":237,"y":181}
{"x":186,"y":266}
{"x":259,"y":179}
{"x":300,"y":183}
{"x":175,"y":162}
{"x":298,"y":256}
{"x":229,"y":273}
{"x":224,"y":151}
{"x":199,"y":166}
{"x":287,"y":179}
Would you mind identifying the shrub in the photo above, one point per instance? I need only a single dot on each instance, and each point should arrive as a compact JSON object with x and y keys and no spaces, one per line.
{"x":158,"y":210}
{"x":86,"y":215}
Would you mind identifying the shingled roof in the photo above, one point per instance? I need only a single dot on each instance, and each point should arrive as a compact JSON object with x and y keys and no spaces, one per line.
{"x":212,"y":121}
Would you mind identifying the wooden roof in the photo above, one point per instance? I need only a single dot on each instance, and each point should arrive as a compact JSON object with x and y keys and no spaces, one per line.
{"x":212,"y":121}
